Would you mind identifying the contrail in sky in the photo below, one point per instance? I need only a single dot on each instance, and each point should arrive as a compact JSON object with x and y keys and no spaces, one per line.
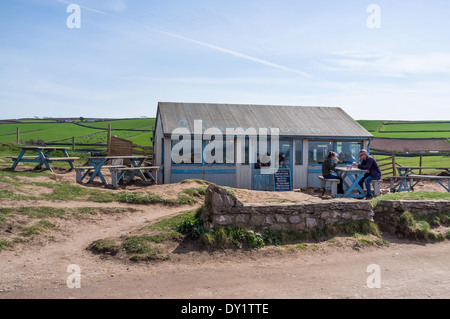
{"x":204,"y":44}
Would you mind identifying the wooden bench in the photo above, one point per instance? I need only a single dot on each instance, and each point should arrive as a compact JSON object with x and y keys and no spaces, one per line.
{"x":429,"y":177}
{"x":334,"y":183}
{"x":376,"y":186}
{"x":14,"y":158}
{"x":80,"y":170}
{"x":117,"y":173}
{"x":64,"y":159}
{"x":46,"y":160}
{"x":403,"y":184}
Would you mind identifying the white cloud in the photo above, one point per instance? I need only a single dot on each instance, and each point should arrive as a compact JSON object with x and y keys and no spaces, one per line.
{"x":392,"y":65}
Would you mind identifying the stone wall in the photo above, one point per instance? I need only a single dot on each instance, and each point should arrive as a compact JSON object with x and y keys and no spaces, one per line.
{"x":387,"y":212}
{"x":223,"y":209}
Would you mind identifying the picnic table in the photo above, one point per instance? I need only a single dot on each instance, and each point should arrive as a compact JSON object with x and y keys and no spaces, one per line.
{"x":406,"y":174}
{"x":353,"y":175}
{"x":43,"y":156}
{"x":117,"y":168}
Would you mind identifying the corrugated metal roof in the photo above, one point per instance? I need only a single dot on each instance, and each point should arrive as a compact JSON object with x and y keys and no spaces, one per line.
{"x":290,"y":120}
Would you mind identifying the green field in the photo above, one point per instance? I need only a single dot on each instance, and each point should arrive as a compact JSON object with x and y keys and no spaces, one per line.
{"x":136,"y":130}
{"x":407,"y":129}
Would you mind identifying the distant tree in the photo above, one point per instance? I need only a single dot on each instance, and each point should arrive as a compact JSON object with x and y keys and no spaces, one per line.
{"x":81,"y":119}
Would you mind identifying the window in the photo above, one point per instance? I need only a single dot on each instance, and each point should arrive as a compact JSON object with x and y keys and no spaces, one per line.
{"x":285,"y":154}
{"x":318,"y":151}
{"x":204,"y":152}
{"x":262,"y":153}
{"x":186,"y":152}
{"x":348,"y":151}
{"x":298,"y":152}
{"x":245,"y":151}
{"x":220,"y":152}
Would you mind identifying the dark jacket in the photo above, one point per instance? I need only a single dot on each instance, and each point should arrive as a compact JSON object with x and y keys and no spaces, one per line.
{"x":371,"y":164}
{"x":328,"y":166}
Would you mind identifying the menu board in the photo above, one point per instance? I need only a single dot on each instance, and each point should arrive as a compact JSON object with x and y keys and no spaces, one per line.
{"x":282,"y":180}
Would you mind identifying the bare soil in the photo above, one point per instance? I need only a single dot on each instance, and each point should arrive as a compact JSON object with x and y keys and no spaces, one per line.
{"x":331,"y":269}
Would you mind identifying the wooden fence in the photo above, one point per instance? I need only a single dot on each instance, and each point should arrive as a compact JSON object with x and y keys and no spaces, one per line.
{"x":389,"y":167}
{"x":121,"y":147}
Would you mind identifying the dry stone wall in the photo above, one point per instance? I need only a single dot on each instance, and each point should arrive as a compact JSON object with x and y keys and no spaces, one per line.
{"x":223,"y":209}
{"x":388,"y":212}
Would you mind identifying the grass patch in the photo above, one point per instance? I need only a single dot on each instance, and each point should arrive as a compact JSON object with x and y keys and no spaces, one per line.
{"x":238,"y":237}
{"x":231,"y":237}
{"x":60,"y":191}
{"x":139,"y":198}
{"x":195,"y":191}
{"x":40,"y":227}
{"x":41,"y":212}
{"x":410,"y":195}
{"x":68,"y":191}
{"x":141,"y":248}
{"x":149,"y":198}
{"x":105,"y":246}
{"x":416,"y":226}
{"x":144,"y":247}
{"x":170,"y":225}
{"x":5,"y":243}
{"x":16,"y":175}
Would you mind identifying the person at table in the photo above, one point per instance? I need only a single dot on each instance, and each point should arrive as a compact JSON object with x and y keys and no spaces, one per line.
{"x":349,"y":158}
{"x":370,"y":165}
{"x":328,"y":166}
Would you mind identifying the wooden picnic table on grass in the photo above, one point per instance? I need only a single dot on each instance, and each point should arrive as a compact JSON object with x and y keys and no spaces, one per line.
{"x":406,"y":174}
{"x":43,"y":156}
{"x":117,"y":168}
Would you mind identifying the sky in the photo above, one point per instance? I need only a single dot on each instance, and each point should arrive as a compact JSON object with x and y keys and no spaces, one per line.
{"x":377,"y":60}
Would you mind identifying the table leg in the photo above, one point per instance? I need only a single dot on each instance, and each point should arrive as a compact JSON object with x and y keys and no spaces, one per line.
{"x":97,"y":171}
{"x":358,"y":188}
{"x":67,"y":155}
{"x":151,"y":175}
{"x":354,"y":185}
{"x":84,"y":175}
{"x":43,"y":160}
{"x":114,"y":179}
{"x":18,"y":159}
{"x":137,"y":164}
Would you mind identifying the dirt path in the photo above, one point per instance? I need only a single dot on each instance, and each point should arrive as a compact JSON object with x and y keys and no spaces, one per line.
{"x":323,"y":270}
{"x":408,"y":270}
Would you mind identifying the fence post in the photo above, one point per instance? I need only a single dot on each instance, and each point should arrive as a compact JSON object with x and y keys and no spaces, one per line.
{"x":73,"y":143}
{"x":420,"y":165}
{"x":18,"y":136}
{"x":109,"y":140}
{"x":394,"y":169}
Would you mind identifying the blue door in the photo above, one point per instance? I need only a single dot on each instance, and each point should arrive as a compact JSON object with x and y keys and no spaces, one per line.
{"x":265,"y":182}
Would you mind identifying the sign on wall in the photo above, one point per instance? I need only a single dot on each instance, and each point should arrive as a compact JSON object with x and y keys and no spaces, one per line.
{"x":282,"y":180}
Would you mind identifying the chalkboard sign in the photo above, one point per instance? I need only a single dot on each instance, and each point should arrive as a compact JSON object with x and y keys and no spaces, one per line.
{"x":282,"y":180}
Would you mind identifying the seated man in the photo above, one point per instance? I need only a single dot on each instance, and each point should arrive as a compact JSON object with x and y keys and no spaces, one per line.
{"x":369,"y":164}
{"x":328,"y":165}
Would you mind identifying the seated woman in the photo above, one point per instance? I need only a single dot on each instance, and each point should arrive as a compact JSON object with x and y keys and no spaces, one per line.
{"x":328,"y":166}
